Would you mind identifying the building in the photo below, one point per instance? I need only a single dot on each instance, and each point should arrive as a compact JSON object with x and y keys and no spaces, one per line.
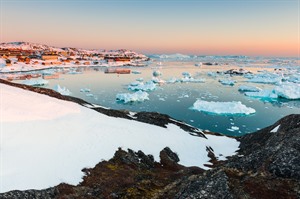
{"x":49,"y":57}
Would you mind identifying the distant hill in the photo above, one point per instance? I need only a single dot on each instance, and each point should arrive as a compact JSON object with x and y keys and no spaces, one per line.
{"x":47,"y":48}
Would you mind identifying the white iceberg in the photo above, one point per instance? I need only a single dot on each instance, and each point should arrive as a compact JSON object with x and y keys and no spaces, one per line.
{"x":263,"y":94}
{"x":246,"y":88}
{"x":222,"y":108}
{"x":172,"y":80}
{"x":140,"y":79}
{"x":140,"y":86}
{"x":229,"y":82}
{"x":192,"y":80}
{"x":288,"y":91}
{"x":186,"y":74}
{"x":62,"y":90}
{"x":138,"y":96}
{"x":85,"y":90}
{"x":156,"y":73}
{"x":266,"y":78}
{"x":35,"y":82}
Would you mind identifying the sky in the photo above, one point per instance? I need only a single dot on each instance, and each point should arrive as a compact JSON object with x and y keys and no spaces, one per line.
{"x":199,"y":27}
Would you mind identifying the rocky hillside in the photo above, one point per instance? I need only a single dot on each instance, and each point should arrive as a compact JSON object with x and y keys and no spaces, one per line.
{"x":266,"y":166}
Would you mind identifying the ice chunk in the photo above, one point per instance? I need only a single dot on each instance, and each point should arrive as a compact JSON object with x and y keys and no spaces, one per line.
{"x":262,"y":94}
{"x":140,"y":86}
{"x":198,"y":64}
{"x":158,"y":80}
{"x":62,"y":90}
{"x":222,"y":108}
{"x":138,"y":96}
{"x":186,"y":74}
{"x":172,"y":80}
{"x":156,"y":73}
{"x":35,"y":82}
{"x":246,"y":88}
{"x":140,"y":79}
{"x":191,"y":79}
{"x":85,"y":90}
{"x":229,"y":82}
{"x":136,"y":72}
{"x":89,"y":95}
{"x":288,"y":91}
{"x":266,"y":78}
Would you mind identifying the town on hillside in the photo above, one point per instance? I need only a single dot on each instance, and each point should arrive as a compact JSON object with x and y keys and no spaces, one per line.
{"x":13,"y":53}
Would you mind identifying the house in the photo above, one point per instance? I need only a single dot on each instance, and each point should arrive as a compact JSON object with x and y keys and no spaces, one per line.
{"x":8,"y":62}
{"x":122,"y":59}
{"x":49,"y":57}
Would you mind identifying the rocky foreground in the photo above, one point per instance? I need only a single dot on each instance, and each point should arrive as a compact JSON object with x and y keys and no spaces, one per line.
{"x":266,"y":166}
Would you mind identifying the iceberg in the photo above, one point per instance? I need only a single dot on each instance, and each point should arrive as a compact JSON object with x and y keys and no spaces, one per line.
{"x":186,"y":74}
{"x":85,"y":90}
{"x":138,"y":96}
{"x":266,"y":78}
{"x":263,"y":94}
{"x":245,"y":88}
{"x":35,"y":82}
{"x":156,"y":73}
{"x":191,"y":79}
{"x":222,"y":108}
{"x":62,"y":90}
{"x":288,"y":91}
{"x":172,"y":80}
{"x":229,"y":82}
{"x":140,"y":86}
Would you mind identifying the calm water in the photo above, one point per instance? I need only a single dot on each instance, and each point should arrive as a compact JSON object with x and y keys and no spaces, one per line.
{"x":176,"y":99}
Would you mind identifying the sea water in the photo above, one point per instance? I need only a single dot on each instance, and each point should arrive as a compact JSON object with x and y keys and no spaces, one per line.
{"x":177,"y":99}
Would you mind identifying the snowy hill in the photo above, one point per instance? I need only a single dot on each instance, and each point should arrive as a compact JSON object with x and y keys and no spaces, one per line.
{"x":42,"y":47}
{"x":46,"y":141}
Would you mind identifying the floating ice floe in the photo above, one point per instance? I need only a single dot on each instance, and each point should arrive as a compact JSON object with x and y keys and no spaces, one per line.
{"x":263,"y":94}
{"x":156,"y":73}
{"x":138,"y":96}
{"x":158,"y":80}
{"x":266,"y":78}
{"x":136,"y":72}
{"x":198,"y":64}
{"x":233,"y":128}
{"x":35,"y":82}
{"x":140,"y":86}
{"x":171,"y":80}
{"x":246,"y":88}
{"x":212,"y":74}
{"x":285,"y":90}
{"x":85,"y":90}
{"x":191,"y":79}
{"x":288,"y":91}
{"x":186,"y":74}
{"x":89,"y":95}
{"x":229,"y":82}
{"x":222,"y":108}
{"x":140,"y":79}
{"x":62,"y":90}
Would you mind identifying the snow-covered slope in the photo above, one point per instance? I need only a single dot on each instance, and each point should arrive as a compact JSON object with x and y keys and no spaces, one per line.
{"x":46,"y":141}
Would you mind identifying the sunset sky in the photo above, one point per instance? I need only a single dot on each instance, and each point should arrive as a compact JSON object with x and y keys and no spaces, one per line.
{"x":201,"y":27}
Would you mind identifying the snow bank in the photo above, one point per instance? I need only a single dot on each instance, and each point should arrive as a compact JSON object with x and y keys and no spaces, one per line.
{"x":35,"y":82}
{"x":62,"y":90}
{"x":46,"y":141}
{"x":222,"y":108}
{"x":138,"y":96}
{"x":246,"y":88}
{"x":140,"y":86}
